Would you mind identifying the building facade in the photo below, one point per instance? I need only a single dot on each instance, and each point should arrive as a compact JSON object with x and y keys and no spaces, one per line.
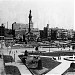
{"x":2,"y":32}
{"x":21,"y":26}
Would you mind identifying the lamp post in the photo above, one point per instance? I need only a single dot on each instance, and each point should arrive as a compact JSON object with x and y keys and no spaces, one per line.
{"x":49,"y":44}
{"x":14,"y":55}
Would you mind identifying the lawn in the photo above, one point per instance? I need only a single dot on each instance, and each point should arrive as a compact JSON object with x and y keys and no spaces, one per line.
{"x":12,"y":70}
{"x":8,"y":58}
{"x":56,"y":53}
{"x":17,"y":47}
{"x":47,"y":63}
{"x":21,"y":46}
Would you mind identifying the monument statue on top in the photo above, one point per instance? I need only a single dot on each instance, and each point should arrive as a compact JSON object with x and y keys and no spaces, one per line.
{"x":29,"y":34}
{"x":30,"y":20}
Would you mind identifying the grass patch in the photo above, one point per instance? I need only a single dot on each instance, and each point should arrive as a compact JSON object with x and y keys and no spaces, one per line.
{"x":56,"y":53}
{"x":21,"y":46}
{"x":46,"y":62}
{"x":49,"y":63}
{"x":12,"y":70}
{"x":17,"y":47}
{"x":8,"y":58}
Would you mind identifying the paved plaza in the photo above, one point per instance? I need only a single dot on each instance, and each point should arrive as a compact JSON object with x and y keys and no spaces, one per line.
{"x":2,"y":71}
{"x":58,"y":70}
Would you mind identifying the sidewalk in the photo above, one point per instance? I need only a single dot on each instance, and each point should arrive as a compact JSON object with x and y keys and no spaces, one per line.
{"x":2,"y":71}
{"x":60,"y":69}
{"x":22,"y":68}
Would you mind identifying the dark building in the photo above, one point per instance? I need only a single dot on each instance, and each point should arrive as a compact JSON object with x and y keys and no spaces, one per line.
{"x":13,"y":31}
{"x":53,"y":34}
{"x":41,"y":34}
{"x":73,"y":37}
{"x":45,"y":32}
{"x":8,"y":32}
{"x":2,"y":32}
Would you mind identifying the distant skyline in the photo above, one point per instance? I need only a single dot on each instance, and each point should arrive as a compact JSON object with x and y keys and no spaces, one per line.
{"x":58,"y":13}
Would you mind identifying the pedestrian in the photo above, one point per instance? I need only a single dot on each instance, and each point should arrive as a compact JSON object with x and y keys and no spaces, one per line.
{"x":58,"y":47}
{"x":14,"y":56}
{"x":16,"y":51}
{"x":36,"y":48}
{"x":26,"y":53}
{"x":9,"y":52}
{"x":60,"y":57}
{"x":69,"y":49}
{"x":11,"y":60}
{"x":12,"y":52}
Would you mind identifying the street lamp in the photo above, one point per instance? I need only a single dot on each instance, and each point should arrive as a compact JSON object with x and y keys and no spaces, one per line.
{"x":49,"y":44}
{"x":14,"y":55}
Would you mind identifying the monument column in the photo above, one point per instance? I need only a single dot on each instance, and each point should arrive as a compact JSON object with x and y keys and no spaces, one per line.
{"x":30,"y":20}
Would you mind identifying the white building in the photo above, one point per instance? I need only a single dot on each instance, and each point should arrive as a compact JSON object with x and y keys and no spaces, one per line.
{"x":21,"y":29}
{"x":21,"y":26}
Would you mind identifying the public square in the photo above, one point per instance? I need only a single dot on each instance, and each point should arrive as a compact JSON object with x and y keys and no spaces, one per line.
{"x":37,"y":37}
{"x":53,"y":62}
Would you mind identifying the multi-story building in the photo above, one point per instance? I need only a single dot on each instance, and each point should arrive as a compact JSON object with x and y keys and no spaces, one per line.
{"x":2,"y":32}
{"x":22,"y":29}
{"x":45,"y":33}
{"x":62,"y":34}
{"x":26,"y":30}
{"x":54,"y":33}
{"x":65,"y":34}
{"x":70,"y":34}
{"x":21,"y":26}
{"x":36,"y":32}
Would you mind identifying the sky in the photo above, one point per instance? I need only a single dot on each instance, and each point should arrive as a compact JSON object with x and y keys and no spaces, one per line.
{"x":58,"y":13}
